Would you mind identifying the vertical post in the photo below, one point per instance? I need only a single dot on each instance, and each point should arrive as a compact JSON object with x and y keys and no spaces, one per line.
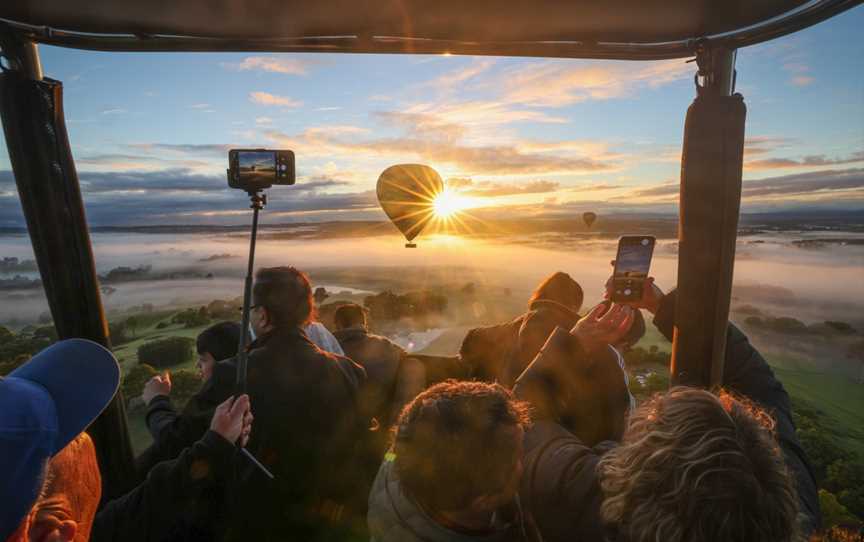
{"x":32,"y":112}
{"x":711,"y":171}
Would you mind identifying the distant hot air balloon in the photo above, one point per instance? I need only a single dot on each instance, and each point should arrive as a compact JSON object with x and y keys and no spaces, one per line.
{"x":406,"y":193}
{"x":589,"y":218}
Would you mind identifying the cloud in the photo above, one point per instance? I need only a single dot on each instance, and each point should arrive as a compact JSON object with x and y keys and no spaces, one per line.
{"x":472,"y":160}
{"x":558,"y":83}
{"x":262,"y":121}
{"x":265,"y":98}
{"x":180,"y":196}
{"x":436,"y":140}
{"x":200,"y":106}
{"x":816,"y":160}
{"x":114,"y":111}
{"x":802,"y":80}
{"x":786,"y":186}
{"x":758,"y":145}
{"x":487,"y":189}
{"x":456,"y":77}
{"x":290,"y":66}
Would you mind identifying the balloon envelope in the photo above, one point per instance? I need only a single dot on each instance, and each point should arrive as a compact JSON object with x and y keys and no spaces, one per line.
{"x":589,"y":218}
{"x":406,"y":193}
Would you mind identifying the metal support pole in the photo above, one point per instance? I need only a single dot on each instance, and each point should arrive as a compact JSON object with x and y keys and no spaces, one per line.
{"x":32,"y":111}
{"x":711,"y":170}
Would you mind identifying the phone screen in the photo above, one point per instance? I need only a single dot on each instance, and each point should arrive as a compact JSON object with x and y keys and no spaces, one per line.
{"x":634,"y":257}
{"x":631,"y":267}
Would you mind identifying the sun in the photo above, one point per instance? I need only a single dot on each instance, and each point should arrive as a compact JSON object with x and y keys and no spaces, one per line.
{"x":448,"y":203}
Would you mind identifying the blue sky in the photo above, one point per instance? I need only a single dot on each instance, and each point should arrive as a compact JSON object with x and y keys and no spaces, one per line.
{"x":518,"y":136}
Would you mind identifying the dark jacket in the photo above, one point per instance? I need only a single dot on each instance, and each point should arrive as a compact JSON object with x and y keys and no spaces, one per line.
{"x":392,"y":380}
{"x":395,"y":517}
{"x":560,"y":485}
{"x":500,"y":353}
{"x":173,"y":432}
{"x":178,"y":500}
{"x":306,"y":431}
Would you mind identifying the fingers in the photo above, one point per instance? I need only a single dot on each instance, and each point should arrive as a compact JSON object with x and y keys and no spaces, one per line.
{"x":596,"y":312}
{"x":625,"y":324}
{"x":167,"y":378}
{"x":240,"y":407}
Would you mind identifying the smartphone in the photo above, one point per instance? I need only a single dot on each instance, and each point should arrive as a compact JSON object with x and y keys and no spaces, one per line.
{"x":631,"y":267}
{"x":257,"y":169}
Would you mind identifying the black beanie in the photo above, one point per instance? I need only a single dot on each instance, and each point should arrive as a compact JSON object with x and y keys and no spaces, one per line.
{"x":220,"y":340}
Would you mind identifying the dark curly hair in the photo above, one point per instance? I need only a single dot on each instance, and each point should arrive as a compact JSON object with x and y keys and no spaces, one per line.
{"x":286,"y":293}
{"x":454,"y":443}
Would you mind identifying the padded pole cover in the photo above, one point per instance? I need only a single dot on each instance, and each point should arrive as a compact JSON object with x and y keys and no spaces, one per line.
{"x":711,"y":167}
{"x":35,"y":128}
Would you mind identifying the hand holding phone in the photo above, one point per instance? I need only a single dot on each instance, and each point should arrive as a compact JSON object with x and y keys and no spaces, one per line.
{"x":632,"y":264}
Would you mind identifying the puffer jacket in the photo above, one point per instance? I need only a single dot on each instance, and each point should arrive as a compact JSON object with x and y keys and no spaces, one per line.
{"x":394,"y":517}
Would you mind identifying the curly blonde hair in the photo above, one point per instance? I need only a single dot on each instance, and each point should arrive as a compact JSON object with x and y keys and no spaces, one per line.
{"x":694,"y":466}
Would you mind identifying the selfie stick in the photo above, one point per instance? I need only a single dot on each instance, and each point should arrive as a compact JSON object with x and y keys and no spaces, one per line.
{"x":258,"y":203}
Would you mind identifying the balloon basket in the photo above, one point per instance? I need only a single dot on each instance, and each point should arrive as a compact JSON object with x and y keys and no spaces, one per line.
{"x":410,"y":245}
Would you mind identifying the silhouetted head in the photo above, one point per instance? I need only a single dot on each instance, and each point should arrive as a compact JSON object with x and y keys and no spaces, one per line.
{"x":217,"y":342}
{"x":282,"y":297}
{"x":458,"y":446}
{"x":560,"y":288}
{"x":350,"y":315}
{"x":694,"y":466}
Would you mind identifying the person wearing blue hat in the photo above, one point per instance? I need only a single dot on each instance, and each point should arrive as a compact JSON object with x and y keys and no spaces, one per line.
{"x":44,"y":405}
{"x":51,"y":483}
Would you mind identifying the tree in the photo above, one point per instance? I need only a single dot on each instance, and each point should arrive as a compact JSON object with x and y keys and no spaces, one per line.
{"x":132,"y":323}
{"x":834,"y":513}
{"x":166,"y":352}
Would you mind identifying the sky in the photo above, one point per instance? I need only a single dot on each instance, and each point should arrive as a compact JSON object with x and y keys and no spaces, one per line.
{"x":512,"y":136}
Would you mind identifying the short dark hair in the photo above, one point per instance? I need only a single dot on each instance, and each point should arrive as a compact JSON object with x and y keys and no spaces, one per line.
{"x":561,"y":288}
{"x":219,"y":340}
{"x":452,"y":445}
{"x":286,"y":293}
{"x":349,"y":315}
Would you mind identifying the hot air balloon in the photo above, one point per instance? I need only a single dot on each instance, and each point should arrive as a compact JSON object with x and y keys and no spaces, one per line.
{"x":406,"y":193}
{"x":589,"y":218}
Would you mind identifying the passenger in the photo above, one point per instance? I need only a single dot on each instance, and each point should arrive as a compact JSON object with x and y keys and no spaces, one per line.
{"x":52,"y":487}
{"x":500,"y":353}
{"x":689,"y":465}
{"x":323,"y":339}
{"x":454,"y":469}
{"x":307,"y":421}
{"x":172,"y":432}
{"x":393,"y":379}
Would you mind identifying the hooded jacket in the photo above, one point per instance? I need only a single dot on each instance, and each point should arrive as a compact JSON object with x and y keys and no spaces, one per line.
{"x":395,"y":517}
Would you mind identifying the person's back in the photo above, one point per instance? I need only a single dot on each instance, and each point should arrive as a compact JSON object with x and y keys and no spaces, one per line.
{"x":307,"y":423}
{"x":500,"y":353}
{"x":392,"y":380}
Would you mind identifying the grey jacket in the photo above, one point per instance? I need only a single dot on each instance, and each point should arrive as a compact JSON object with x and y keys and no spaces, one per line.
{"x":394,"y":517}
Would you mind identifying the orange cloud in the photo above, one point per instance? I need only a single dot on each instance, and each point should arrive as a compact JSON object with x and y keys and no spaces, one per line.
{"x":291,"y":66}
{"x":265,"y":98}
